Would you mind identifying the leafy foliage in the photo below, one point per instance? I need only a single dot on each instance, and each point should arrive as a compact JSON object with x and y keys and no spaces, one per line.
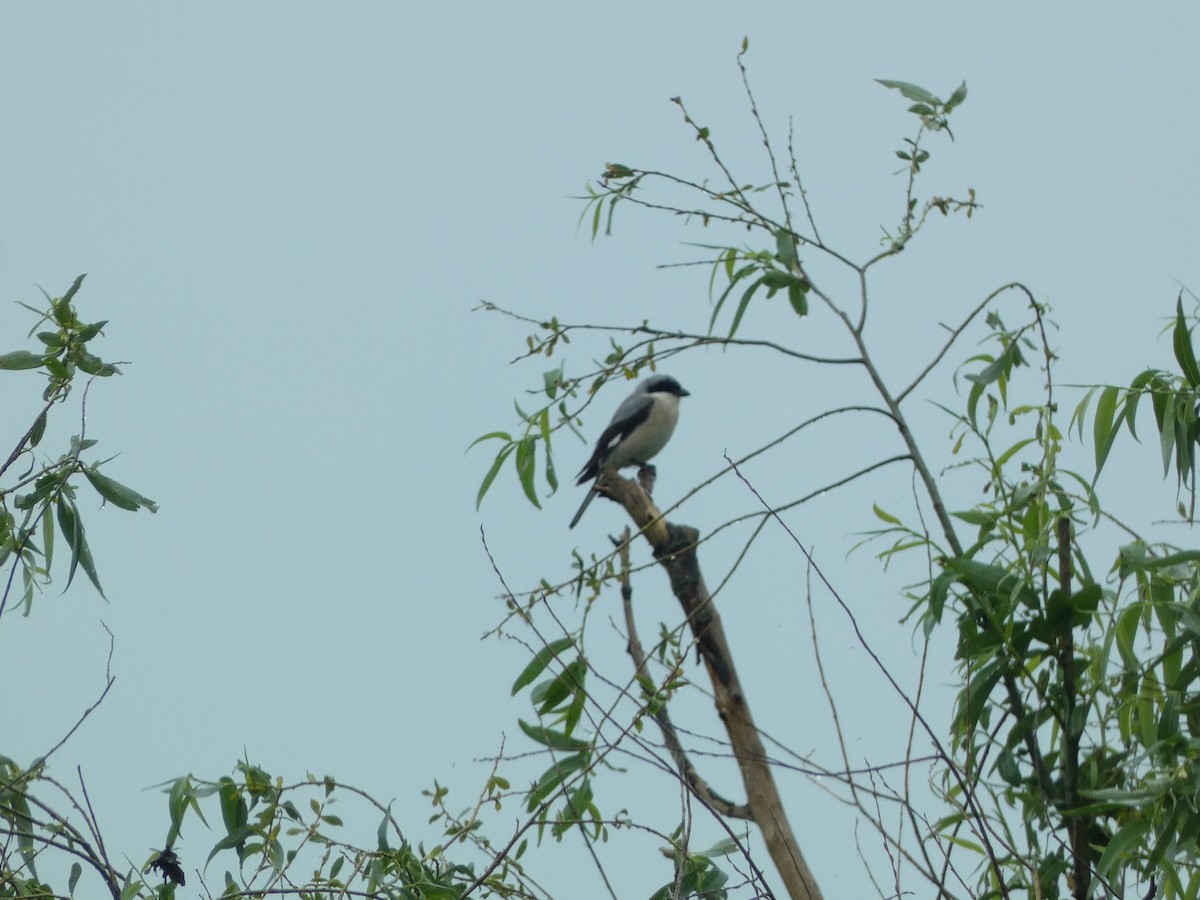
{"x":36,"y":494}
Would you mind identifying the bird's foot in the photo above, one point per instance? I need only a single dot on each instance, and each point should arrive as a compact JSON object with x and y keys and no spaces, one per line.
{"x":646,"y":477}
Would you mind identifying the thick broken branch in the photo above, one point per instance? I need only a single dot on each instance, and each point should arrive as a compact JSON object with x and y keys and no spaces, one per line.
{"x":675,"y":549}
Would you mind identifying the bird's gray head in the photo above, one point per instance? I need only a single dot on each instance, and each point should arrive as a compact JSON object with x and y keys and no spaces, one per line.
{"x":662,"y":384}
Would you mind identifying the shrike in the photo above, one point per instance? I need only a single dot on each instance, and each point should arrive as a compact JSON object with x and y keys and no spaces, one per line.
{"x":640,"y":427}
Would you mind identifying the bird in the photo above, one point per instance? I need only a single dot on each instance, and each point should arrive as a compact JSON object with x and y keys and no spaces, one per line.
{"x":640,"y":427}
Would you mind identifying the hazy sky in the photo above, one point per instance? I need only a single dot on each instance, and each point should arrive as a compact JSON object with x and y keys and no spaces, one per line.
{"x":288,"y":211}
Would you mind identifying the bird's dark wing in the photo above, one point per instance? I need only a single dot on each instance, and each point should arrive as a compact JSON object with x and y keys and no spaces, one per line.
{"x":167,"y":864}
{"x":630,"y":414}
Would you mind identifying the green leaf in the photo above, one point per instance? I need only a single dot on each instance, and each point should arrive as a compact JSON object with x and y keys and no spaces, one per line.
{"x":579,"y":697}
{"x":978,"y":517}
{"x":94,"y":365}
{"x":550,"y":694}
{"x":734,"y":278}
{"x":1079,"y":416}
{"x":117,"y":493}
{"x":1122,"y":847}
{"x":1104,"y":431}
{"x":956,"y":99}
{"x":1136,"y":388}
{"x":990,"y":581}
{"x":43,"y":488}
{"x":491,"y":435}
{"x":21,"y":359}
{"x":798,"y":298}
{"x":87,"y":332}
{"x":234,"y":841}
{"x":1165,"y":408}
{"x":527,"y":467}
{"x":551,"y":473}
{"x":540,"y":660}
{"x":912,"y":91}
{"x":785,"y":246}
{"x":76,"y":872}
{"x":177,"y":802}
{"x":742,"y":305}
{"x":883,"y":515}
{"x":381,"y":836}
{"x":234,"y":811}
{"x":38,"y":429}
{"x":1182,"y":339}
{"x":548,"y":737}
{"x":597,"y":213}
{"x":723,"y":847}
{"x":776,"y":279}
{"x":975,"y":693}
{"x":73,"y":289}
{"x":493,"y":472}
{"x":554,"y":776}
{"x":1012,"y":451}
{"x":1007,"y":768}
{"x":994,"y":370}
{"x":71,"y":527}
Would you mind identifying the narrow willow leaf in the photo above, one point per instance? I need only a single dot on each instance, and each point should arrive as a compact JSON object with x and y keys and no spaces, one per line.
{"x":885,"y":516}
{"x":493,"y":472}
{"x":527,"y":468}
{"x":550,"y":694}
{"x":81,"y":555}
{"x":1166,"y":434}
{"x":491,"y":435}
{"x":381,"y":838}
{"x":910,"y":91}
{"x":548,"y":737}
{"x":1145,"y":381}
{"x":118,"y":494}
{"x":177,"y":801}
{"x":734,"y":278}
{"x":68,"y":524}
{"x":1104,"y":431}
{"x":742,"y":306}
{"x":73,"y":289}
{"x":1079,"y":416}
{"x":975,"y":694}
{"x":1184,"y":354}
{"x":555,"y":776}
{"x":540,"y":660}
{"x":1123,"y":846}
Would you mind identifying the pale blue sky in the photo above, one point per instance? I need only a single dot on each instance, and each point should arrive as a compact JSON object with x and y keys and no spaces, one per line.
{"x":288,"y":211}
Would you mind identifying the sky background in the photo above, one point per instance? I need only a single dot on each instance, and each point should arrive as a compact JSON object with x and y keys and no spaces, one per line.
{"x":288,"y":213}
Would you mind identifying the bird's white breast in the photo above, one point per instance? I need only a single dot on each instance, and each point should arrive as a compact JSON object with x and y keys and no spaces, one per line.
{"x":651,"y":436}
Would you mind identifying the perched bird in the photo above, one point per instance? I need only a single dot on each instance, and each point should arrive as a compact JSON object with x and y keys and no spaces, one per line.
{"x":167,"y":864}
{"x":640,"y":427}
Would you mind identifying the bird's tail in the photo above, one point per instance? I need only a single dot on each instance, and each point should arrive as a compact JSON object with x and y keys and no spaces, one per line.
{"x":591,"y":495}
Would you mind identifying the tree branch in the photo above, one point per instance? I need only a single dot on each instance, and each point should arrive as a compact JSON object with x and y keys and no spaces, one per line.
{"x":675,"y":549}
